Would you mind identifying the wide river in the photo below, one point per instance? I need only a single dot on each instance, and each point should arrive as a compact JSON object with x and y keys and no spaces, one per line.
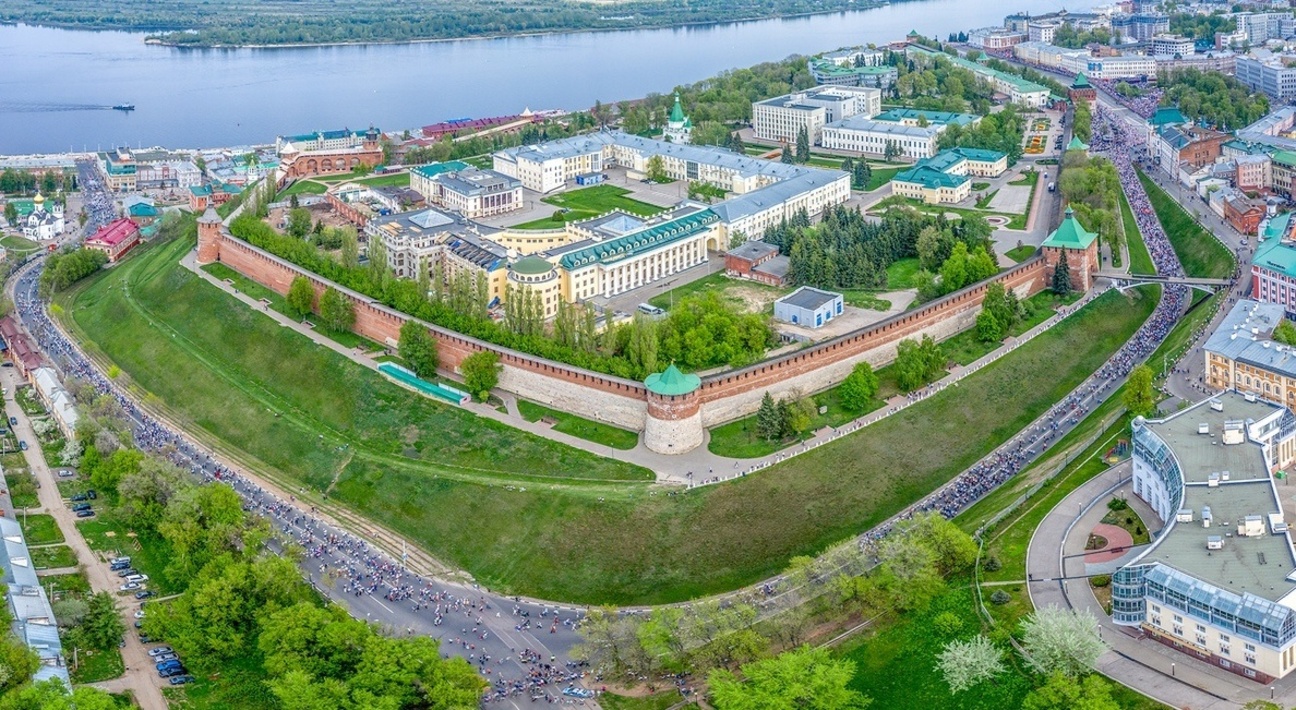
{"x":57,"y":86}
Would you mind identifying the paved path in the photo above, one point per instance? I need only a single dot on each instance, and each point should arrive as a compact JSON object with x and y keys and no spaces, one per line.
{"x":140,"y":677}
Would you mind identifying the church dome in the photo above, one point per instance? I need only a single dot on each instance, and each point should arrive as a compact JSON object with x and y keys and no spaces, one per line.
{"x":38,"y":200}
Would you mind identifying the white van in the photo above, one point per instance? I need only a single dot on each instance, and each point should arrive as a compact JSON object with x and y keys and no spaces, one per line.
{"x":651,"y":309}
{"x":137,"y":578}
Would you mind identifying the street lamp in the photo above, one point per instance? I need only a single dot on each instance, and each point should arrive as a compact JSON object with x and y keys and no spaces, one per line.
{"x":1172,"y":670}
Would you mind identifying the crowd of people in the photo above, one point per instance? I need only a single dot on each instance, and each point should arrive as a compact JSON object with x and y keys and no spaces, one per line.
{"x":462,"y":619}
{"x":97,"y":200}
{"x":1144,"y":104}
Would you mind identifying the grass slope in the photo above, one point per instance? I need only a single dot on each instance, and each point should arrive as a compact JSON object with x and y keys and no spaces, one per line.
{"x":1140,"y":259}
{"x":580,"y":530}
{"x":1201,"y":254}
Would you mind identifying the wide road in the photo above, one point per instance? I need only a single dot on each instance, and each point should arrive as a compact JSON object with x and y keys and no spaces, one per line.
{"x":522,"y":647}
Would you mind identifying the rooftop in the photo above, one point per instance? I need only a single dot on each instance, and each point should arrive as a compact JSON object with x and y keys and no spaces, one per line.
{"x":1277,"y":249}
{"x":934,"y":117}
{"x":859,"y":123}
{"x":1070,"y":234}
{"x":531,"y":266}
{"x":753,"y":250}
{"x":929,"y":176}
{"x":809,"y":298}
{"x":672,"y":382}
{"x":115,"y":232}
{"x":1243,"y":335}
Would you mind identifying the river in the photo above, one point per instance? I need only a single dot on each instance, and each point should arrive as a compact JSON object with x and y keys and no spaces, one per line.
{"x":57,"y":86}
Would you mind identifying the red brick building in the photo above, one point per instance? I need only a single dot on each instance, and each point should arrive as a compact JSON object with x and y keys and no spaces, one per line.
{"x":115,"y":239}
{"x":18,"y":348}
{"x":1079,"y":246}
{"x":758,"y":261}
{"x":296,"y":163}
{"x":1082,"y":90}
{"x":1243,"y":213}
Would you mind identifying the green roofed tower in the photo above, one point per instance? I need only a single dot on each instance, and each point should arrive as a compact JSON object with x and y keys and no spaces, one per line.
{"x":672,"y":382}
{"x":1079,"y":246}
{"x":1077,"y":144}
{"x":679,"y":129}
{"x":674,"y":421}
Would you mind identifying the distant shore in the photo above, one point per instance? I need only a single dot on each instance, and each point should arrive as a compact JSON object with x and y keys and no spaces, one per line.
{"x":157,"y":41}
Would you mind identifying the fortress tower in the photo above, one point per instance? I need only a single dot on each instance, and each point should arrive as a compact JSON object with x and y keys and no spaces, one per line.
{"x":209,"y":237}
{"x":674,"y":422}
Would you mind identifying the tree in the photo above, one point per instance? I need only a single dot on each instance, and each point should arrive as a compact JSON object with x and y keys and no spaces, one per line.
{"x":858,"y":388}
{"x":481,"y":373}
{"x":350,"y":248}
{"x":1139,"y":398}
{"x":803,"y":145}
{"x":988,"y":328}
{"x":892,"y":151}
{"x":17,"y":663}
{"x":798,"y":414}
{"x":418,"y":348}
{"x":954,"y":272}
{"x":1061,"y":641}
{"x":1285,"y":333}
{"x":804,"y":679}
{"x":102,"y":626}
{"x":301,"y":296}
{"x":966,"y":663}
{"x":1061,"y":284}
{"x":336,"y":310}
{"x":786,"y":156}
{"x":918,"y":363}
{"x":11,"y":213}
{"x":53,"y":695}
{"x":656,"y":168}
{"x":769,"y":421}
{"x":1061,"y":692}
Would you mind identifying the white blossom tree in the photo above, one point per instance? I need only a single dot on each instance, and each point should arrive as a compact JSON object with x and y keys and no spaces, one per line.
{"x":1061,"y":640}
{"x":966,"y":663}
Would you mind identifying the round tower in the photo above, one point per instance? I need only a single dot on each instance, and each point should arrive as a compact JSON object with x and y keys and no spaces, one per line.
{"x":674,"y":422}
{"x":209,"y":237}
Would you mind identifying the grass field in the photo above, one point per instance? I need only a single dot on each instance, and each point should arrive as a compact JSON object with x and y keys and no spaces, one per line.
{"x":587,"y":429}
{"x":1201,"y":254}
{"x":423,"y":469}
{"x":740,"y":439}
{"x":1140,"y":259}
{"x":1021,"y":253}
{"x":105,"y":533}
{"x":880,"y":177}
{"x":302,"y":187}
{"x":95,"y":666}
{"x":589,"y":202}
{"x":18,"y":245}
{"x":726,"y":286}
{"x":53,"y":557}
{"x":900,"y":274}
{"x":1015,"y":221}
{"x":40,"y":529}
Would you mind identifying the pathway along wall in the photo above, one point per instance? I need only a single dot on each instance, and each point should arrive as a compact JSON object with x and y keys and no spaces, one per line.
{"x":723,"y":397}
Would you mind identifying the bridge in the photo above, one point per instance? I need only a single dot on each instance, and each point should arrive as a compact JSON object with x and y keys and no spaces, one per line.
{"x":1126,"y":280}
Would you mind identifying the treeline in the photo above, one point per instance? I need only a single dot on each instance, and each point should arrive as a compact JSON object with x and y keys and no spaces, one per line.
{"x":1068,"y":36}
{"x":64,"y":268}
{"x":1212,"y":98}
{"x":848,"y":251}
{"x":22,"y":182}
{"x":1201,"y":26}
{"x":1091,"y":187}
{"x":937,"y":84}
{"x":241,"y":598}
{"x":449,"y":149}
{"x":1000,"y":131}
{"x":700,"y":332}
{"x":195,"y":23}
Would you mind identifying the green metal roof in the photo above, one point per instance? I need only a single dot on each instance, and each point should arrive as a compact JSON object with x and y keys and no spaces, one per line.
{"x":1077,"y":144}
{"x":672,"y":382}
{"x":896,"y":115}
{"x":1272,"y":253}
{"x":143,"y":210}
{"x":929,"y":177}
{"x":201,"y":190}
{"x":1286,"y":157}
{"x":677,"y":112}
{"x":638,"y":242}
{"x":1081,"y":82}
{"x":435,"y":169}
{"x":1070,"y":234}
{"x":1166,"y":114}
{"x":532,"y":266}
{"x":981,"y":155}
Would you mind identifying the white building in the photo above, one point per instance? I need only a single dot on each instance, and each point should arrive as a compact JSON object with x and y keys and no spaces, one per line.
{"x":869,"y":137}
{"x":173,"y":174}
{"x":679,"y":127}
{"x":471,"y":192}
{"x":857,"y":57}
{"x":782,"y":118}
{"x":809,"y":307}
{"x":1268,"y":73}
{"x":58,"y":400}
{"x":45,"y":221}
{"x":1168,"y":45}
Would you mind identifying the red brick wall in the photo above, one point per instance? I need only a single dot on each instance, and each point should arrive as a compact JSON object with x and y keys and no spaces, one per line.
{"x":381,"y":324}
{"x":673,"y":408}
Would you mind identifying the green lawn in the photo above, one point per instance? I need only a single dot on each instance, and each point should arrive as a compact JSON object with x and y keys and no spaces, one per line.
{"x":53,"y":557}
{"x":658,"y":701}
{"x":95,"y":666}
{"x":239,"y":686}
{"x":1028,"y":177}
{"x":587,"y":429}
{"x":1021,"y":253}
{"x":740,"y":439}
{"x":865,"y":299}
{"x":1015,"y":221}
{"x":589,"y":202}
{"x":75,"y":583}
{"x":900,"y":274}
{"x":39,"y":528}
{"x":302,"y":187}
{"x":881,"y":176}
{"x":1201,"y":254}
{"x":22,"y":490}
{"x":105,"y":533}
{"x":716,"y":282}
{"x":984,"y":201}
{"x":17,"y":244}
{"x":1140,"y":259}
{"x":422,"y":468}
{"x":1129,"y":521}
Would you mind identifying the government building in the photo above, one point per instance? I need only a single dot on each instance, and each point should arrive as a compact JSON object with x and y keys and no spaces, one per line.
{"x":1241,"y":354}
{"x":1217,"y":582}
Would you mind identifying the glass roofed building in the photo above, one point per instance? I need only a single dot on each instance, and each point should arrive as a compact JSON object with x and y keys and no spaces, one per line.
{"x":1217,"y":583}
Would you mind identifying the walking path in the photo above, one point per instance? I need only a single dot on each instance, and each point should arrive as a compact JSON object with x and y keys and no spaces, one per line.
{"x":696,"y":467}
{"x":139,"y":677}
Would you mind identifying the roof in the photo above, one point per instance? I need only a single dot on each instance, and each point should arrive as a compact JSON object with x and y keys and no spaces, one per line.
{"x":809,"y":298}
{"x":980,"y":155}
{"x":209,"y":216}
{"x":1244,"y":333}
{"x":643,"y":240}
{"x":434,"y":169}
{"x":1070,"y":234}
{"x":1276,"y":252}
{"x":929,"y":176}
{"x":677,"y":111}
{"x":891,"y":128}
{"x":777,"y":266}
{"x":1081,"y":82}
{"x":934,"y":117}
{"x":672,"y":382}
{"x":753,"y":250}
{"x":531,"y":266}
{"x":1166,"y":115}
{"x":1077,"y":144}
{"x":115,"y":232}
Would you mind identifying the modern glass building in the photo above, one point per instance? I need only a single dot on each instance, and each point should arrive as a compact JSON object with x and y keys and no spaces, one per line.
{"x":1218,"y":581}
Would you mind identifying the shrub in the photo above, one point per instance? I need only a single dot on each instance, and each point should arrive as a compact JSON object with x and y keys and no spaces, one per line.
{"x":1100,"y":581}
{"x":1000,"y":598}
{"x":992,"y":564}
{"x":1117,"y":504}
{"x":947,"y":624}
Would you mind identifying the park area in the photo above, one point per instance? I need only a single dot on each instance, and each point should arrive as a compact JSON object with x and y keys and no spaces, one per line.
{"x":423,"y":468}
{"x":576,"y":205}
{"x":320,"y":185}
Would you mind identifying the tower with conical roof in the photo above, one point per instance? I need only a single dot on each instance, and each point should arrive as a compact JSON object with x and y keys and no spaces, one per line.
{"x":674,"y":422}
{"x":209,"y":237}
{"x":1079,"y":246}
{"x":679,"y":129}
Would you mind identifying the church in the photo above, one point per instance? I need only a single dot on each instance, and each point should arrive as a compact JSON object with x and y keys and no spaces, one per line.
{"x":43,"y":224}
{"x":679,"y":129}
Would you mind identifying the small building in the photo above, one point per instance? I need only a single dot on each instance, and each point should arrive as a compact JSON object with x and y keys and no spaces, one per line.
{"x":758,"y":261}
{"x":1076,"y":144}
{"x":18,"y":348}
{"x":1079,"y":246}
{"x":590,"y":179}
{"x":1242,"y":212}
{"x":1082,"y":90}
{"x":141,"y":209}
{"x":679,"y":127}
{"x":809,"y":307}
{"x":115,"y":239}
{"x":57,"y":399}
{"x":200,"y":196}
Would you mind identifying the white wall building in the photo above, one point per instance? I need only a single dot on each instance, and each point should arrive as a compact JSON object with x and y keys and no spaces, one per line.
{"x":783,"y":117}
{"x":869,"y":137}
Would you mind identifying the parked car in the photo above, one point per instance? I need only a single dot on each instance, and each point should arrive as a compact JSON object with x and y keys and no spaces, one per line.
{"x":78,"y":497}
{"x":181,"y":679}
{"x":22,"y":445}
{"x":139,"y":614}
{"x":85,"y":513}
{"x":155,"y":652}
{"x":144,"y":638}
{"x":166,"y":657}
{"x":143,"y":595}
{"x":168,"y":672}
{"x":81,"y":506}
{"x":126,"y":571}
{"x":173,"y":663}
{"x":118,"y":566}
{"x":63,"y":472}
{"x":130,"y":586}
{"x":137,"y":578}
{"x":118,"y":560}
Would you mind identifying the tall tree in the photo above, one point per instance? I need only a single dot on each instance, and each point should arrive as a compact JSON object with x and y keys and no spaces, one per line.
{"x":1061,"y":284}
{"x":1061,"y":641}
{"x":301,"y":296}
{"x":769,"y":421}
{"x":804,"y":679}
{"x":967,"y":663}
{"x":336,"y":310}
{"x":418,"y":348}
{"x":481,"y":373}
{"x":860,"y":386}
{"x":1139,"y":397}
{"x":803,"y":145}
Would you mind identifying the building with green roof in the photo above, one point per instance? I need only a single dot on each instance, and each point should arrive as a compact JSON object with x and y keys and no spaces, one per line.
{"x":1077,"y":144}
{"x":672,"y":383}
{"x":1273,"y":267}
{"x":1017,"y":89}
{"x":1078,"y":246}
{"x":679,"y":127}
{"x":674,"y":421}
{"x":914,"y":117}
{"x":946,"y":178}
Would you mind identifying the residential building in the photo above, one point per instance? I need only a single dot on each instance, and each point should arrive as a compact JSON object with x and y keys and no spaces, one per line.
{"x":33,"y":618}
{"x":995,"y":39}
{"x":115,"y":239}
{"x":1170,"y":45}
{"x":1254,"y":172}
{"x":1216,"y":583}
{"x":472,"y":192}
{"x":827,"y":73}
{"x":758,"y":261}
{"x":782,"y":118}
{"x":1283,"y":166}
{"x":1273,"y":266}
{"x":119,"y":169}
{"x":809,"y":307}
{"x":1173,"y":145}
{"x":1140,"y":27}
{"x":1274,"y":75}
{"x":1273,"y":130}
{"x":1260,"y":27}
{"x":141,"y":209}
{"x":679,"y":128}
{"x":946,"y":178}
{"x":56,"y":399}
{"x":1041,"y":31}
{"x":169,"y":174}
{"x":1241,"y":212}
{"x":1079,"y":246}
{"x":18,"y":348}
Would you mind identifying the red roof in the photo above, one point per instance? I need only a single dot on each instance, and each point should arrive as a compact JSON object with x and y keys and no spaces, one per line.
{"x":115,"y":232}
{"x":437,"y":130}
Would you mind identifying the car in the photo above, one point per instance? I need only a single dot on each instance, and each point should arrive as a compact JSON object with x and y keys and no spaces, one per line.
{"x":168,"y":672}
{"x":181,"y":679}
{"x":13,"y":421}
{"x":130,"y":586}
{"x":139,"y":614}
{"x":155,"y":652}
{"x":166,"y":657}
{"x":143,"y":595}
{"x":572,"y":691}
{"x":145,"y":638}
{"x":119,"y":560}
{"x":63,"y":473}
{"x":137,"y":578}
{"x":81,"y":506}
{"x":173,"y":663}
{"x":78,"y":498}
{"x":85,"y":513}
{"x":118,"y":566}
{"x":126,"y":571}
{"x":22,"y":445}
